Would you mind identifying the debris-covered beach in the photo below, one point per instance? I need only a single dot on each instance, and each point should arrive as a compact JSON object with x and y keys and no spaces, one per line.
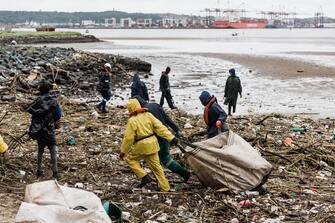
{"x":301,"y":186}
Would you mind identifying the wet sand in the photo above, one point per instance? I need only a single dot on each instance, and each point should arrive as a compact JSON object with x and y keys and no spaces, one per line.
{"x":318,"y":53}
{"x":151,"y":38}
{"x":276,"y":67}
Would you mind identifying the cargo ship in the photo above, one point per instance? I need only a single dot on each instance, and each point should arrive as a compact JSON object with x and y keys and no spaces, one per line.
{"x":240,"y":24}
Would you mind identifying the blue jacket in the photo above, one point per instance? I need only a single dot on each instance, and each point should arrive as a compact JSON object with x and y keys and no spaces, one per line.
{"x":215,"y":113}
{"x":104,"y":82}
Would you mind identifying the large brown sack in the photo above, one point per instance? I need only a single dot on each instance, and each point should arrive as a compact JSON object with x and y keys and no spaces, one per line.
{"x":227,"y":160}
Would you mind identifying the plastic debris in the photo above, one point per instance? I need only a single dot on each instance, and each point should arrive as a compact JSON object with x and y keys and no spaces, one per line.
{"x":188,"y":126}
{"x":288,"y":142}
{"x":246,"y":203}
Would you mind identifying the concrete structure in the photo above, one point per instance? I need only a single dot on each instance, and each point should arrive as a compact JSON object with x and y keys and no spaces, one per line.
{"x":143,"y":23}
{"x":126,"y":23}
{"x":111,"y":22}
{"x":87,"y":23}
{"x":174,"y":22}
{"x":148,"y":22}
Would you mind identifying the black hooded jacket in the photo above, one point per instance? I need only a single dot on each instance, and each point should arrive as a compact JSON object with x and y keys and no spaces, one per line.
{"x":164,"y":82}
{"x":159,"y":113}
{"x":139,"y":88}
{"x":45,"y":112}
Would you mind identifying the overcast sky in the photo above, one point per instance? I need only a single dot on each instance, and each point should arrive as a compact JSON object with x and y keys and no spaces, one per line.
{"x":305,"y":7}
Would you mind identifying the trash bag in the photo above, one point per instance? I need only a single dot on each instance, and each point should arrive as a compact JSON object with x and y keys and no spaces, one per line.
{"x":227,"y":160}
{"x":49,"y":202}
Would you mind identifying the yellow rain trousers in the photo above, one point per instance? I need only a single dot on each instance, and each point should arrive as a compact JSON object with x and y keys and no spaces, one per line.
{"x":140,"y":143}
{"x":3,"y":146}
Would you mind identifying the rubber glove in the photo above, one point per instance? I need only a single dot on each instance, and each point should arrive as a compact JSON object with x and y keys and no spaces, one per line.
{"x":174,"y":141}
{"x":218,"y":124}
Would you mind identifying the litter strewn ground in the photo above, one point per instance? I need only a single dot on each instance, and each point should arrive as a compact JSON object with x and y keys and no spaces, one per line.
{"x":301,"y":185}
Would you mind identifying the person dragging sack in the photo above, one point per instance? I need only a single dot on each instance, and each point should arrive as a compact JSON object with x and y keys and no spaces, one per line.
{"x":140,"y":143}
{"x":45,"y":113}
{"x":104,"y":87}
{"x":164,"y":152}
{"x":214,"y":115}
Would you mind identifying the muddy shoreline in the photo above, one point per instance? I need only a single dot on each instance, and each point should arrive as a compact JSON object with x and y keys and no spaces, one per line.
{"x":24,"y":40}
{"x":276,"y":67}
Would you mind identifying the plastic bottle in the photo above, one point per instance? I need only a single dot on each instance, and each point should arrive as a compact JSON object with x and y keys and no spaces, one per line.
{"x":298,"y":130}
{"x":72,"y":141}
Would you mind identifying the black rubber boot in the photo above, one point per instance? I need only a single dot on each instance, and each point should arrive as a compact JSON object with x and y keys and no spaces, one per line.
{"x":56,"y":175}
{"x":187,"y":176}
{"x":98,"y":106}
{"x":145,"y":180}
{"x":39,"y":173}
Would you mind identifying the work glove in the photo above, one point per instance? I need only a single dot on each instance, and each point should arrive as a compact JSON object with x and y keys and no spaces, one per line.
{"x":218,"y":124}
{"x":174,"y":141}
{"x":122,"y":155}
{"x":179,"y":134}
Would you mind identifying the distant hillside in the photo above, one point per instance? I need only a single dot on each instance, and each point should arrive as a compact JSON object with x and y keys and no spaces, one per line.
{"x":13,"y":17}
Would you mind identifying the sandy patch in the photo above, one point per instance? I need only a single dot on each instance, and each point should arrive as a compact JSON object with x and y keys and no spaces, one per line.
{"x":278,"y":67}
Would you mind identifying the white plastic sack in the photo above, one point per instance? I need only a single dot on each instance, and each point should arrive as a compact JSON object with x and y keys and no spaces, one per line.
{"x":48,"y":202}
{"x":227,"y":160}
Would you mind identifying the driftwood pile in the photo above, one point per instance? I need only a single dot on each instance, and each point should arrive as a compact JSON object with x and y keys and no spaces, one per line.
{"x":22,"y":68}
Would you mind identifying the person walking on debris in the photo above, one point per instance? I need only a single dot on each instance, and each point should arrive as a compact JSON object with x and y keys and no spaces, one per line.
{"x":232,"y":89}
{"x":164,"y":86}
{"x":45,"y":113}
{"x":214,"y":115}
{"x":139,"y":88}
{"x":164,"y":154}
{"x":140,"y":143}
{"x":3,"y":147}
{"x":104,"y":87}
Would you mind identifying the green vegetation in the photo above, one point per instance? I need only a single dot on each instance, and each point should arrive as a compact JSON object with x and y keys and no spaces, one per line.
{"x":18,"y":34}
{"x":13,"y":17}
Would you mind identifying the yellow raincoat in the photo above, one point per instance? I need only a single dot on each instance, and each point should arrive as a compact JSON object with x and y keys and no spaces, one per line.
{"x":140,"y":143}
{"x":3,"y":146}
